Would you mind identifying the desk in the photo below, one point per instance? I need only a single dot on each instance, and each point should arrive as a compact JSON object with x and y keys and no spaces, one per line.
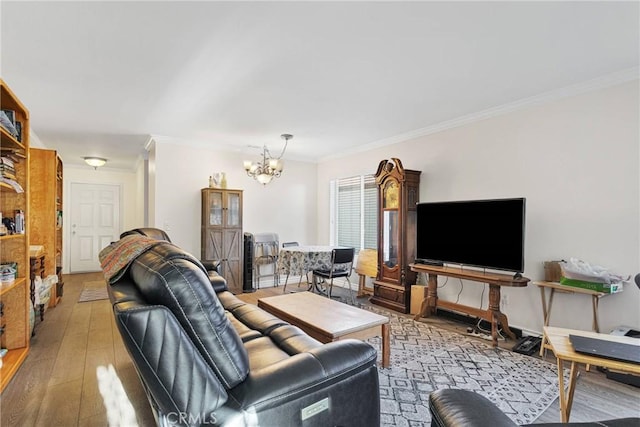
{"x":563,"y":350}
{"x":491,"y":314}
{"x":547,"y":303}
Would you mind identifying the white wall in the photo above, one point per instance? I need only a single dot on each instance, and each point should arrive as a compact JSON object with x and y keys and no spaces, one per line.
{"x":131,"y":215}
{"x":285,"y":206}
{"x":576,"y":160}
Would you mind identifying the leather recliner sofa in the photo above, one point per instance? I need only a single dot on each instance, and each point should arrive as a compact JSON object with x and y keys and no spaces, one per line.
{"x":457,"y":408}
{"x":204,"y":357}
{"x":216,"y":279}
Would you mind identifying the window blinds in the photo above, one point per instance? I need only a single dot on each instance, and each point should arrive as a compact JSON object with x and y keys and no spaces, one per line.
{"x":357,"y":212}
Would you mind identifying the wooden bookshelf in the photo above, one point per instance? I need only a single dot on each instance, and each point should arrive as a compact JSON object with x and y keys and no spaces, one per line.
{"x":15,"y":248}
{"x":45,"y":221}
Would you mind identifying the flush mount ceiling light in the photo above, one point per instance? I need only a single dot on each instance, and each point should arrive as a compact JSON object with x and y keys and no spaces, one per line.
{"x":96,"y":162}
{"x":270,"y":167}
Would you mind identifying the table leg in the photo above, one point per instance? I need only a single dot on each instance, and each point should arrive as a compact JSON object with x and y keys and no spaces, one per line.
{"x":595,"y":300}
{"x":430,"y":303}
{"x":573,"y":376}
{"x":544,"y":320}
{"x":566,"y":398}
{"x":361,"y":280}
{"x":386,"y":350}
{"x":497,"y":317}
{"x":561,"y":398}
{"x":546,"y":315}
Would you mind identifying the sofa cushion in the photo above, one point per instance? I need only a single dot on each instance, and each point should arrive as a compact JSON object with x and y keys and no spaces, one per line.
{"x":167,"y":275}
{"x":245,"y":333}
{"x":293,"y":340}
{"x":263,"y":352}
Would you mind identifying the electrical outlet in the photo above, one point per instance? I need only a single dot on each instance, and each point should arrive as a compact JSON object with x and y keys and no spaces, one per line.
{"x":167,"y":227}
{"x":504,"y":301}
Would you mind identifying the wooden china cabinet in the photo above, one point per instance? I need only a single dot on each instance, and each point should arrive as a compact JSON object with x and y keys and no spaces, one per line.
{"x":222,"y":237}
{"x":398,"y":192}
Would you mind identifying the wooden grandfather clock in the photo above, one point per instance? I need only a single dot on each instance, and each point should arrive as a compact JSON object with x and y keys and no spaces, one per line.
{"x":398,"y":192}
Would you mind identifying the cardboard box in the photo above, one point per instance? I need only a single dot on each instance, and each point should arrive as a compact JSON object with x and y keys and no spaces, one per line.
{"x":552,"y":271}
{"x":593,"y":286}
{"x":418,"y":294}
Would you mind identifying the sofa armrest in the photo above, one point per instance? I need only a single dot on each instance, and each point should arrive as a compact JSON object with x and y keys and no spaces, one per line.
{"x":345,"y":371}
{"x":452,"y":407}
{"x":218,"y":282}
{"x":211,"y":265}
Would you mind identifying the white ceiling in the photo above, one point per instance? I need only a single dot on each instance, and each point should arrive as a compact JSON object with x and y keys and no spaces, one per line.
{"x":100,"y":77}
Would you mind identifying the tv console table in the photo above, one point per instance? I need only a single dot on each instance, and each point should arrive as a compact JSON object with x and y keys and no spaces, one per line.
{"x":491,"y":314}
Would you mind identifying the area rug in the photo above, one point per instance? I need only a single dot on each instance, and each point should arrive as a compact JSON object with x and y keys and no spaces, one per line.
{"x":425,"y":358}
{"x":94,"y":291}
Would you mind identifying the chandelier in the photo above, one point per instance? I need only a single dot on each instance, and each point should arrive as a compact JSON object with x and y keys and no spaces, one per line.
{"x":270,"y":167}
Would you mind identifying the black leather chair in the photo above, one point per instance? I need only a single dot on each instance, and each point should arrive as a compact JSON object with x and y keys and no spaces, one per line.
{"x":457,"y":408}
{"x":341,"y":266}
{"x":206,"y":358}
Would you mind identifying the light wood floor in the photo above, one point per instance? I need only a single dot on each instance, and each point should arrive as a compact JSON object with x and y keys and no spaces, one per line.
{"x":57,"y":384}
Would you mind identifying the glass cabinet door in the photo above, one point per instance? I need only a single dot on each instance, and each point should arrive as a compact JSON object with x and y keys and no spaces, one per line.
{"x":390,"y":238}
{"x":390,"y":215}
{"x":215,"y":208}
{"x":233,"y":212}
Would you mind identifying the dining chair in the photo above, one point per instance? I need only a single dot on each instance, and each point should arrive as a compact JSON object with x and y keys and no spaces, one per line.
{"x":341,"y":266}
{"x":265,"y":253}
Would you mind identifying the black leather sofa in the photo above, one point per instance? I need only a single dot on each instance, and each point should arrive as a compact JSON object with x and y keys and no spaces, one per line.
{"x":452,"y":407}
{"x":204,"y":357}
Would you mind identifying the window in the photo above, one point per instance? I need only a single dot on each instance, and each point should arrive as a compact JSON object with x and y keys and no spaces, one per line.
{"x":356,"y":212}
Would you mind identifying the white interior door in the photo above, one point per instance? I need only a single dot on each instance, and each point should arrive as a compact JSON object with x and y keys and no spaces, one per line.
{"x":95,"y":223}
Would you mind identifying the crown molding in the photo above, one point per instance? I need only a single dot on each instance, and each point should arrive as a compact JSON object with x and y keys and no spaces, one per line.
{"x":602,"y":82}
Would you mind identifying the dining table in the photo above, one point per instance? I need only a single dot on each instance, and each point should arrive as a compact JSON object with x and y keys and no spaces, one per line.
{"x":299,"y":260}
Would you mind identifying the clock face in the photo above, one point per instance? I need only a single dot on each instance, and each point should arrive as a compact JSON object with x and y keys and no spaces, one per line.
{"x":391,"y":195}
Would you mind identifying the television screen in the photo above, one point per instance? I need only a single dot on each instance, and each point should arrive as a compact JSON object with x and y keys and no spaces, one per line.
{"x":480,"y":233}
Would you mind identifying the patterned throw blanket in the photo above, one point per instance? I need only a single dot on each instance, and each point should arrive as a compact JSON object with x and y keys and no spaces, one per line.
{"x":115,"y":258}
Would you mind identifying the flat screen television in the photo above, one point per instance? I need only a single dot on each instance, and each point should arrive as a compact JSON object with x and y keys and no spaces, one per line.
{"x":479,"y":233}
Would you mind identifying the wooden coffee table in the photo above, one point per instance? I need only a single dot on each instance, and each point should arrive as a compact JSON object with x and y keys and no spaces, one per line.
{"x":327,"y":320}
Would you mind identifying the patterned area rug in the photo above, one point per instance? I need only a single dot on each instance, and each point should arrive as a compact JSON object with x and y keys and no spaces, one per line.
{"x":94,"y":291}
{"x":426,"y":358}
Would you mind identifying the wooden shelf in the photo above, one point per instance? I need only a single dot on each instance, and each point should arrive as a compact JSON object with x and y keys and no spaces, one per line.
{"x":8,"y":287}
{"x":9,"y":143}
{"x":11,"y":362}
{"x":12,"y":236}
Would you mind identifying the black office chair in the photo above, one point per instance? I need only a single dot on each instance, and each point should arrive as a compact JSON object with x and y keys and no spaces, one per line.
{"x":341,"y":266}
